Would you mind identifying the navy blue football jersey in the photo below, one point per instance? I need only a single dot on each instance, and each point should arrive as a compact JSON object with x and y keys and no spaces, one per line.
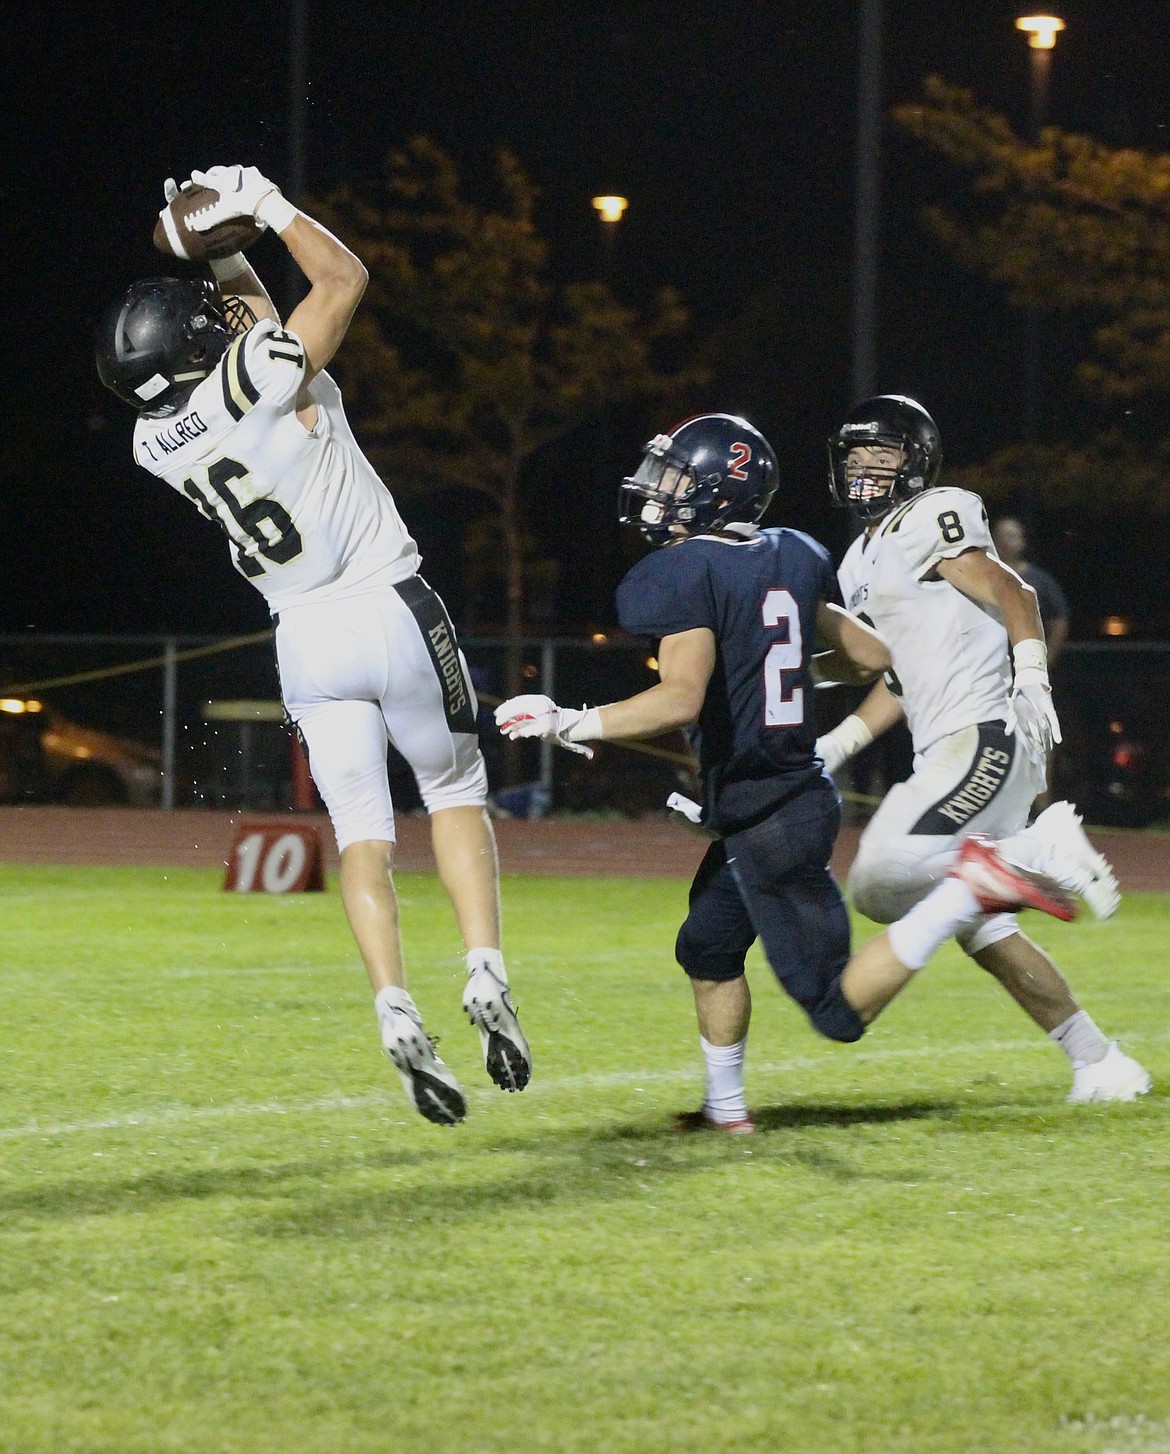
{"x":756,"y":733}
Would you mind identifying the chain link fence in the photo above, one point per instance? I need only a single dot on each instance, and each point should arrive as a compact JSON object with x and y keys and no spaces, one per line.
{"x":184,"y":721}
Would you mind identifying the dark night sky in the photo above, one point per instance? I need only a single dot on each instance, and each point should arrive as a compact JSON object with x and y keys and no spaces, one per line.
{"x":730,"y":126}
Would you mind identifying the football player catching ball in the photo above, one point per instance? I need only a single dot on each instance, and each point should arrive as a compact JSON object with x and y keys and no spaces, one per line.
{"x":237,"y":413}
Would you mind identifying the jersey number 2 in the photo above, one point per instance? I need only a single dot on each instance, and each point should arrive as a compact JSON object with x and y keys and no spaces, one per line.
{"x":783,"y":699}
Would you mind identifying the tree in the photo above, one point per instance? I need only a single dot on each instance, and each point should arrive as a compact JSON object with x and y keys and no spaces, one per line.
{"x":1066,"y":224}
{"x":465,"y":360}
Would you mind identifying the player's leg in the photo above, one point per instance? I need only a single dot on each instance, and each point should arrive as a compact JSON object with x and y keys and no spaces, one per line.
{"x":347,"y":753}
{"x":796,"y":908}
{"x":977,"y":780}
{"x":371,"y":906}
{"x":1101,"y":1070}
{"x":981,"y":882}
{"x":465,"y":855}
{"x":323,"y":651}
{"x":429,"y":708}
{"x":711,"y":945}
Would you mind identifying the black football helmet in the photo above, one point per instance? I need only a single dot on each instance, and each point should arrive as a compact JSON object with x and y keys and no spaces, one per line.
{"x":708,"y":472}
{"x":161,"y":337}
{"x":894,"y":422}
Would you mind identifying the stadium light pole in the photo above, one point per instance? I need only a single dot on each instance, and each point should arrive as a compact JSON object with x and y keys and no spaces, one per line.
{"x":1041,"y":31}
{"x":610,"y":210}
{"x":866,"y":219}
{"x":296,"y":128}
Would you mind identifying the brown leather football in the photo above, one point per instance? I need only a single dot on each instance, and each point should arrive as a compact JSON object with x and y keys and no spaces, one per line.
{"x":174,"y":236}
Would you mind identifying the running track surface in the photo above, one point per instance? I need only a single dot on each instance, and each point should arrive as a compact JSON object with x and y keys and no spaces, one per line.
{"x":653,"y":847}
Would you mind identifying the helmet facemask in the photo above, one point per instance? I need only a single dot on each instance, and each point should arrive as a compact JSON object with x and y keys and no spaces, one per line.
{"x":712,"y":472}
{"x":655,"y":496}
{"x":873,"y":474}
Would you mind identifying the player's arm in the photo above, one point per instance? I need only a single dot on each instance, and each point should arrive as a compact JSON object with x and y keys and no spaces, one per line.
{"x":337,"y":280}
{"x":989,"y":582}
{"x":337,"y":277}
{"x":685,"y":663}
{"x":857,"y":653}
{"x":880,"y":711}
{"x":236,"y":278}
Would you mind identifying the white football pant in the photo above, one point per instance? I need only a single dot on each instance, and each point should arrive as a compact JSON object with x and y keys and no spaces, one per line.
{"x":973,"y":781}
{"x":358,"y":672}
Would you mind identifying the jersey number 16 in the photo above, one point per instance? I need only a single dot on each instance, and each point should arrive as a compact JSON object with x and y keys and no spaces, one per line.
{"x":261,"y":530}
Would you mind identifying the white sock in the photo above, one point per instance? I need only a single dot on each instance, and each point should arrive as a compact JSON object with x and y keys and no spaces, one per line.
{"x":492,"y":959}
{"x":724,"y":1100}
{"x":393,"y":996}
{"x":1080,"y":1040}
{"x":946,"y":909}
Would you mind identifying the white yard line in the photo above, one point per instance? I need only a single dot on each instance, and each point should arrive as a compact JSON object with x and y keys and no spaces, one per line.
{"x":328,"y":1105}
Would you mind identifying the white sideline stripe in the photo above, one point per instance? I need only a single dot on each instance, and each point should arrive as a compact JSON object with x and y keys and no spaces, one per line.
{"x":176,"y":1115}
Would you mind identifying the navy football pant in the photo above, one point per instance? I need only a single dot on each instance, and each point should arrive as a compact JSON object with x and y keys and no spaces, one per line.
{"x":772,"y":882}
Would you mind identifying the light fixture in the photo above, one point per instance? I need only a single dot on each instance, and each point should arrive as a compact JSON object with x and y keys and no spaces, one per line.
{"x":610,"y":209}
{"x":1042,"y":30}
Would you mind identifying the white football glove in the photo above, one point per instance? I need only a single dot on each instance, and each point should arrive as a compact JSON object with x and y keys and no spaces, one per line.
{"x":170,"y":191}
{"x":1030,"y":710}
{"x":1032,"y":715}
{"x":539,"y":716}
{"x":241,"y":191}
{"x":835,"y":748}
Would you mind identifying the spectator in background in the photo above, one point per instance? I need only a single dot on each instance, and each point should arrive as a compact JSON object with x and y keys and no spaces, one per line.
{"x":1011,"y":545}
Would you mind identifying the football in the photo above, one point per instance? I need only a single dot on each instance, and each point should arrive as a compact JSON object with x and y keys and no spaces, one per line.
{"x":174,"y":235}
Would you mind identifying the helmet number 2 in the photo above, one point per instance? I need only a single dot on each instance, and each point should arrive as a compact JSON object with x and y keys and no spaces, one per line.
{"x":783,"y":699}
{"x":740,"y":455}
{"x":262,"y":530}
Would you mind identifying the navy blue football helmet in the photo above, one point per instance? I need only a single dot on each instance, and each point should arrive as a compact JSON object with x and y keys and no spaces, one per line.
{"x":896,"y":423}
{"x":708,"y":472}
{"x":162,"y":336}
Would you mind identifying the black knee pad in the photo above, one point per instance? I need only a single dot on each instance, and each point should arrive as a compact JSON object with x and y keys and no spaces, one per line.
{"x":835,"y":1018}
{"x":698,"y":963}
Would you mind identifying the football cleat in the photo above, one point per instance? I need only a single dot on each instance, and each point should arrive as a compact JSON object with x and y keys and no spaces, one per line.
{"x":1117,"y":1077}
{"x":506,"y":1055}
{"x":432,"y":1089}
{"x":1000,"y":886}
{"x":701,"y":1121}
{"x":1073,"y":861}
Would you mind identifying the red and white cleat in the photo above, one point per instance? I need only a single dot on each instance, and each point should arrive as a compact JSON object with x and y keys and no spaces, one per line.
{"x":1073,"y":861}
{"x":701,"y":1121}
{"x":1001,"y":887}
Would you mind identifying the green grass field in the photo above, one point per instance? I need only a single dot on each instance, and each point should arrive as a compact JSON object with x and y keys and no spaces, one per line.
{"x":222,"y":1228}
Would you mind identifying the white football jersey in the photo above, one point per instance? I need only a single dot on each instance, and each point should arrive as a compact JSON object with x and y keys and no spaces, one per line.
{"x":952,"y":665}
{"x":307,"y":516}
